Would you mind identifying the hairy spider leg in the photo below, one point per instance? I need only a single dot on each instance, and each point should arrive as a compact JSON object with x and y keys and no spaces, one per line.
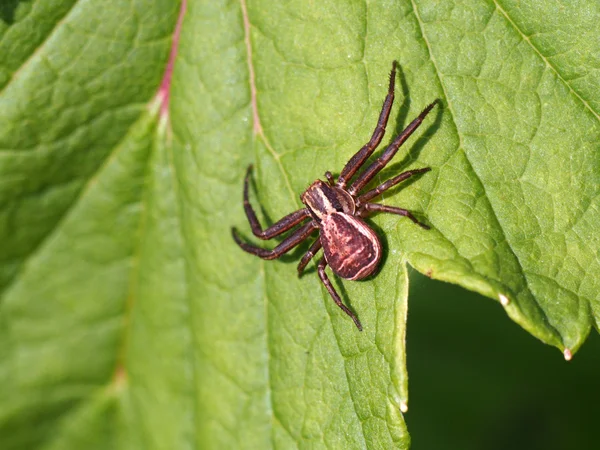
{"x":376,"y":207}
{"x":285,"y":246}
{"x":389,"y":184}
{"x":389,"y":152}
{"x":334,"y":295}
{"x":277,"y":228}
{"x":312,"y":251}
{"x":367,"y":150}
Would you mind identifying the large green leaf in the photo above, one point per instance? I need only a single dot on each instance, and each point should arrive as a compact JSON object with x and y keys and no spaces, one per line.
{"x":129,"y":318}
{"x":79,"y":158}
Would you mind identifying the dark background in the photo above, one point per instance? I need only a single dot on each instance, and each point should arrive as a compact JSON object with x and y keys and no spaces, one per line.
{"x":479,"y":381}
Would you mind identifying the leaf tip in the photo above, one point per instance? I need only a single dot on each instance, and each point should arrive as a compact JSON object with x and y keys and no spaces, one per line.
{"x":403,"y":407}
{"x":504,"y":300}
{"x":567,"y":354}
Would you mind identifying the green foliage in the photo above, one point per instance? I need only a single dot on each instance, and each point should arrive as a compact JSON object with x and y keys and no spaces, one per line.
{"x":129,"y":318}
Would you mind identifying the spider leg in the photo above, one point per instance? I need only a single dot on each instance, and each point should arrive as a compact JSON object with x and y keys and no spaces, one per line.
{"x":330,"y":179}
{"x":334,"y":295}
{"x":389,"y":152}
{"x":277,"y":228}
{"x":314,"y":248}
{"x":285,"y":246}
{"x":376,"y":207}
{"x":363,"y":154}
{"x":389,"y":184}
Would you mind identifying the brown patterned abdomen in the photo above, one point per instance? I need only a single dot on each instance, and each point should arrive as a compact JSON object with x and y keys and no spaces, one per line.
{"x":351,"y":248}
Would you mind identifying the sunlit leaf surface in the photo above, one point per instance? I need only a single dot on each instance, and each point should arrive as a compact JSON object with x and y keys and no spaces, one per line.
{"x":130,"y":319}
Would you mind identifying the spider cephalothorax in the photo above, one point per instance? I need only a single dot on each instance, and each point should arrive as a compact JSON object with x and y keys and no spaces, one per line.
{"x":350,"y":247}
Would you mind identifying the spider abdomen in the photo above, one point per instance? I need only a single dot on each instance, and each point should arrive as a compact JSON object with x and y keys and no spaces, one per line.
{"x":351,"y":248}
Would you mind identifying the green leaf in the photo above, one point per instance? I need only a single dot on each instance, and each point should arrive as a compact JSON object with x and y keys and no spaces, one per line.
{"x":296,"y":90}
{"x":128,"y":316}
{"x":79,"y":141}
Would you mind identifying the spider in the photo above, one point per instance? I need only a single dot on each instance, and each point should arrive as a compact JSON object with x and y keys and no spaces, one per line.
{"x":350,"y":247}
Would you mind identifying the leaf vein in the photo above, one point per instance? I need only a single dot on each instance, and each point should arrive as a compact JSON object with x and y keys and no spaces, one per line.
{"x":54,"y":30}
{"x":546,"y":60}
{"x":80,"y":197}
{"x":478,"y":179}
